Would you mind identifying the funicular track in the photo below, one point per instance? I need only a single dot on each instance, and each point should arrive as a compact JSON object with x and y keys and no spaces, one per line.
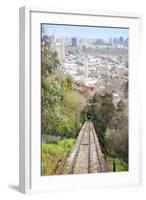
{"x":86,"y":156}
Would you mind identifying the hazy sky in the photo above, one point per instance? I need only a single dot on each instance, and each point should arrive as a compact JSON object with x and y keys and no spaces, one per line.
{"x":84,"y":31}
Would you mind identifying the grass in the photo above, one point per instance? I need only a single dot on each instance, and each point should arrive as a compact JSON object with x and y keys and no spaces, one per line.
{"x":66,"y":144}
{"x":53,"y":153}
{"x":120,"y":164}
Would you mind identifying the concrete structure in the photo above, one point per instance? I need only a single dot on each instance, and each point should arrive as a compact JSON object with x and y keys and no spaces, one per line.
{"x":59,"y":48}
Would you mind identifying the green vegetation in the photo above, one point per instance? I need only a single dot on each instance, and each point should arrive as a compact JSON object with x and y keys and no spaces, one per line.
{"x":54,"y":153}
{"x":61,"y":106}
{"x":66,"y":144}
{"x":64,"y":106}
{"x":120,"y":165}
{"x":111,"y":125}
{"x":61,"y":103}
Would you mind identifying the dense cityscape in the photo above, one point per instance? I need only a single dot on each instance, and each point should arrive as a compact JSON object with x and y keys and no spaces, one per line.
{"x":94,"y":64}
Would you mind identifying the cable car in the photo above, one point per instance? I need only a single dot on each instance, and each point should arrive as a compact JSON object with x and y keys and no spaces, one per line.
{"x":89,"y":116}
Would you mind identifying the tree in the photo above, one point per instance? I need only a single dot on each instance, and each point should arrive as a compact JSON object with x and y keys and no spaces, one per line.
{"x":51,"y":96}
{"x":51,"y":93}
{"x":66,"y":82}
{"x":61,"y":104}
{"x":125,"y":89}
{"x":74,"y":103}
{"x":116,"y":135}
{"x":102,"y":109}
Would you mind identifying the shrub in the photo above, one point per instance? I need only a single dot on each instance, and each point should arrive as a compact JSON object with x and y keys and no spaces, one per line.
{"x":66,"y":144}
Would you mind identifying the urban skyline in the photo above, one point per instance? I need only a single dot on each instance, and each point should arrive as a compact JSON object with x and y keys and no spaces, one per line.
{"x":88,"y":32}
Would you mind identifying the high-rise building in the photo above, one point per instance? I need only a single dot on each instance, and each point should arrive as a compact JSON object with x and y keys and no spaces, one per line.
{"x":59,"y":48}
{"x":74,"y":42}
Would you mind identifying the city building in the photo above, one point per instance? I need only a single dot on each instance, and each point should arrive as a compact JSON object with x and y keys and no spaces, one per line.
{"x":59,"y":48}
{"x":74,"y":42}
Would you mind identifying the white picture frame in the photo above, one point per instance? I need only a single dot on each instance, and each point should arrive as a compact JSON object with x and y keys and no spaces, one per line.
{"x":30,"y":137}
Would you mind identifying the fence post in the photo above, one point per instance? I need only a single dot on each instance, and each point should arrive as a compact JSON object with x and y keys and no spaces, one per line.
{"x":114,"y":166}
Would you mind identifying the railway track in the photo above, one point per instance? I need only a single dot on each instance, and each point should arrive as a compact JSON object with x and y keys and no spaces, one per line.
{"x":86,"y":156}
